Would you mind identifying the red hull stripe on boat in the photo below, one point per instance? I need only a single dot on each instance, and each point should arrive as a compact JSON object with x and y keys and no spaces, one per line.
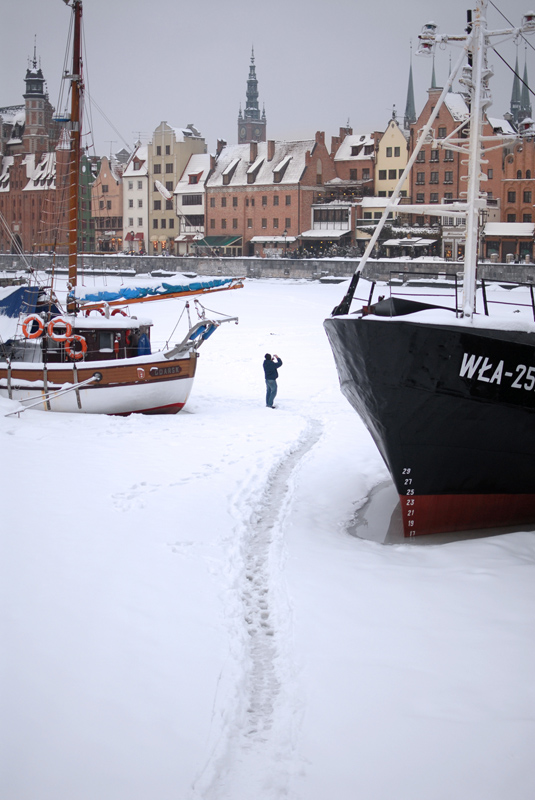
{"x":426,"y":514}
{"x":173,"y":408}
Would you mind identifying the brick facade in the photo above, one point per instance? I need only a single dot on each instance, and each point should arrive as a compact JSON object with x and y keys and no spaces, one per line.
{"x":264,"y":189}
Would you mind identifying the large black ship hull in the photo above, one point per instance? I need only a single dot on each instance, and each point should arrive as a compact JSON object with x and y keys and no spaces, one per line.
{"x":452,"y":411}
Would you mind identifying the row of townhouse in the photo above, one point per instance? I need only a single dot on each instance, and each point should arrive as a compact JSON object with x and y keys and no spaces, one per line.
{"x":253,"y":198}
{"x":271,"y":197}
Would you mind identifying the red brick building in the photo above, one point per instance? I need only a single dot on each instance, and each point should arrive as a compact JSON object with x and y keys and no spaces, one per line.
{"x":518,"y":182}
{"x":440,"y":174}
{"x":259,"y":196}
{"x":31,"y":192}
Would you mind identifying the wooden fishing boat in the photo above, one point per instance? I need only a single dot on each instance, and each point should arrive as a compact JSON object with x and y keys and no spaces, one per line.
{"x":93,"y":356}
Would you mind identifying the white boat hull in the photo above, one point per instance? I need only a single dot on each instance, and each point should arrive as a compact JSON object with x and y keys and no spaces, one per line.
{"x":146,"y":384}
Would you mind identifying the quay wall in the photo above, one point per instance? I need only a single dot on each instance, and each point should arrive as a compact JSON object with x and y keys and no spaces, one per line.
{"x":309,"y":269}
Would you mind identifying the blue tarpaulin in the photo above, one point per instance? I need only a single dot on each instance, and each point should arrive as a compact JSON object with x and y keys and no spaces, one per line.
{"x":161,"y":290}
{"x":19,"y":300}
{"x":15,"y":301}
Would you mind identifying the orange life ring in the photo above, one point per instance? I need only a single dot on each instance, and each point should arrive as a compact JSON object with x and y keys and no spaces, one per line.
{"x":28,"y":334}
{"x":59,"y":337}
{"x":76,"y":355}
{"x":119,"y":311}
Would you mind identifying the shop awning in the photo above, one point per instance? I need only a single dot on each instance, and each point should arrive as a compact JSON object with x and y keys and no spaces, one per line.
{"x":324,"y":234}
{"x":189,"y":237}
{"x":220,"y":241}
{"x":525,"y":229}
{"x":409,"y":242}
{"x":272,"y":239}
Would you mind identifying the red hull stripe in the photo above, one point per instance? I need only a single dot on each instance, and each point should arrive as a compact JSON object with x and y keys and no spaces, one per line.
{"x":438,"y":513}
{"x":173,"y":408}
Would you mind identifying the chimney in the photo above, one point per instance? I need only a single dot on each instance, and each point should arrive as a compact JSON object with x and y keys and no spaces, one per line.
{"x":270,"y":150}
{"x":221,"y":143}
{"x":253,"y":152}
{"x":212,"y":162}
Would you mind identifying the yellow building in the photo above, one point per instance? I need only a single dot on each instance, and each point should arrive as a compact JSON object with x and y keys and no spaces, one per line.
{"x":391,"y":160}
{"x":168,"y":153}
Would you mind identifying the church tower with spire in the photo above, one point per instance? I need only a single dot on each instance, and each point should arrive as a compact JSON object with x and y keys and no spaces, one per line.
{"x":410,"y":107}
{"x":525,"y":101}
{"x":251,"y":123}
{"x":40,"y":134}
{"x":516,"y":99}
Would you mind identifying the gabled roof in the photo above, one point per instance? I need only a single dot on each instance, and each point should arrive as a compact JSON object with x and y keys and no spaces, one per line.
{"x":12,"y":115}
{"x":43,"y":176}
{"x":234,"y":168}
{"x":140,"y":155}
{"x":360,"y":141}
{"x":501,"y":126}
{"x":197,"y":167}
{"x":456,"y":105}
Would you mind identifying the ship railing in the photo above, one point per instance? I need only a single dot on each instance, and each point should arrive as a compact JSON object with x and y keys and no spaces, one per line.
{"x":421,"y":277}
{"x":428,"y":280}
{"x":507,"y":285}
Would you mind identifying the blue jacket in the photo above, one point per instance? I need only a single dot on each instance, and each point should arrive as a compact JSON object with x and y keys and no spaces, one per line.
{"x":270,"y":369}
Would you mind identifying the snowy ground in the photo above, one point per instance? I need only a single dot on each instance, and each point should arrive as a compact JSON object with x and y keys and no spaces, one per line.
{"x":185,"y":615}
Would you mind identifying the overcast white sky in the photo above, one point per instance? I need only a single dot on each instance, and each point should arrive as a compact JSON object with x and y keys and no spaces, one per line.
{"x":318,"y":63}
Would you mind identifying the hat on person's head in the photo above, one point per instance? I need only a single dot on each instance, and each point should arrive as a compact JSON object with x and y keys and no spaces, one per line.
{"x":267,"y":356}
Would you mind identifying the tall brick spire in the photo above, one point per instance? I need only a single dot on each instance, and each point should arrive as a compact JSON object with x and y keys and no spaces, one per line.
{"x":410,"y":108}
{"x":251,"y":123}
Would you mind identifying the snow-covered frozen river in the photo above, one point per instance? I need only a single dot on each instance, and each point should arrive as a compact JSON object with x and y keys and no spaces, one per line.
{"x":186,"y":615}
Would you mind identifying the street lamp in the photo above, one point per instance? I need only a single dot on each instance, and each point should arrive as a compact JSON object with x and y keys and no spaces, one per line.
{"x":285,"y":234}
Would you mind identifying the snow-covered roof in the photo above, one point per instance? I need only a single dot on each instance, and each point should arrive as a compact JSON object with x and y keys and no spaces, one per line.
{"x":501,"y":126}
{"x":326,"y":233}
{"x":189,"y":132}
{"x":11,"y":115}
{"x":288,"y":164}
{"x":7,"y":163}
{"x":42,"y":175}
{"x":64,"y":142}
{"x":360,"y":141}
{"x":456,"y":105}
{"x":197,"y":166}
{"x":273,"y":239}
{"x":234,"y":163}
{"x":377,"y":202}
{"x":509,"y":229}
{"x":139,"y":154}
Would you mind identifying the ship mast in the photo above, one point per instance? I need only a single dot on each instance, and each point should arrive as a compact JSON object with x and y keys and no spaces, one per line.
{"x":74,"y":160}
{"x":475,"y":76}
{"x":480,"y":99}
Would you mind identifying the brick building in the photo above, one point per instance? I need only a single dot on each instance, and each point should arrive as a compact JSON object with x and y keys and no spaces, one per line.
{"x":518,"y":182}
{"x":107,"y":206}
{"x":440,"y":173}
{"x":259,"y":196}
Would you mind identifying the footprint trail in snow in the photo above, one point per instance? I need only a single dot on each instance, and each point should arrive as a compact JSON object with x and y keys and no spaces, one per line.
{"x":257,"y":755}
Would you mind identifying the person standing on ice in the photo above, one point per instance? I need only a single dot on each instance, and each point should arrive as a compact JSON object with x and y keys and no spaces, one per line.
{"x":271,"y":366}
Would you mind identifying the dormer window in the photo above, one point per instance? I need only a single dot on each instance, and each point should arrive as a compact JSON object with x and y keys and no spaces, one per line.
{"x":253,"y":170}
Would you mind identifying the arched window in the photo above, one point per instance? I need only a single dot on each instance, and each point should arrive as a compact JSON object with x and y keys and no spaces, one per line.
{"x":519,"y":173}
{"x":528,"y":173}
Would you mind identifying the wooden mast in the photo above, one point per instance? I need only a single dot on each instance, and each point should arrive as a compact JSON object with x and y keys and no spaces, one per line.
{"x":74,"y":161}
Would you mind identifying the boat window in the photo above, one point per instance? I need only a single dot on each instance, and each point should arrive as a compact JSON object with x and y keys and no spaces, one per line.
{"x":106,"y":341}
